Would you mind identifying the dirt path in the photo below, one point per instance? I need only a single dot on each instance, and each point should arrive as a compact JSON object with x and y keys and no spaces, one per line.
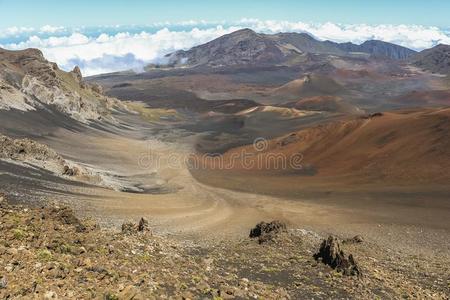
{"x":185,"y":207}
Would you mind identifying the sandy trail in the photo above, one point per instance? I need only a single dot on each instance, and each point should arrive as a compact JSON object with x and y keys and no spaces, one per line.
{"x":192,"y":210}
{"x":190,"y":207}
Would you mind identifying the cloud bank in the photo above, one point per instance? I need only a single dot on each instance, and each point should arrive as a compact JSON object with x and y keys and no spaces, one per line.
{"x":115,"y":48}
{"x":121,"y":51}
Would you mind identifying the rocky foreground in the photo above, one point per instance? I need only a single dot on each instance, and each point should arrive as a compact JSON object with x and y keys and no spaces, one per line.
{"x":48,"y":253}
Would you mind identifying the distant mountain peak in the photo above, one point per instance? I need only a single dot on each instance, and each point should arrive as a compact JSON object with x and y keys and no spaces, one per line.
{"x":247,"y":47}
{"x":240,"y":47}
{"x":244,"y":31}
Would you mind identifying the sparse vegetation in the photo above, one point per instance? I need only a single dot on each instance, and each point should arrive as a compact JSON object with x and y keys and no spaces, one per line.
{"x":153,"y":114}
{"x":44,"y":255}
{"x":19,"y":234}
{"x":109,"y":264}
{"x":354,"y":146}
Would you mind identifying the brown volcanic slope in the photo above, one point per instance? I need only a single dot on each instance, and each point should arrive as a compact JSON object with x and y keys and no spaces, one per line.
{"x":324,"y":103}
{"x":424,"y":98}
{"x":402,"y":147}
{"x":378,"y":48}
{"x":240,"y":47}
{"x":246,"y":47}
{"x":308,"y":86}
{"x":436,"y":59}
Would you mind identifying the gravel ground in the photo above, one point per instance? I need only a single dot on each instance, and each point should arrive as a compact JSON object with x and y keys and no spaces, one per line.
{"x":48,"y":253}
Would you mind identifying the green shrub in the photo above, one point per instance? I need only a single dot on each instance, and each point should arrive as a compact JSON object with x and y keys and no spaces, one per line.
{"x":19,"y":234}
{"x":110,"y":296}
{"x":44,"y":255}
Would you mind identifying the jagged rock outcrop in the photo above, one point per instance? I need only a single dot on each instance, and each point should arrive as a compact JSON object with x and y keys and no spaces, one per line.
{"x":143,"y":225}
{"x":37,"y":154}
{"x":29,"y":153}
{"x":267,"y":231}
{"x":77,"y":73}
{"x":29,"y":82}
{"x":26,"y":149}
{"x":330,"y":253}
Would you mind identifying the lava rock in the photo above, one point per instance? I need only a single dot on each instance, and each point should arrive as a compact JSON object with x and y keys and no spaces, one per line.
{"x":131,"y":228}
{"x":330,"y":253}
{"x":143,"y":225}
{"x":70,"y":171}
{"x":267,"y":231}
{"x":128,"y":228}
{"x":65,"y":216}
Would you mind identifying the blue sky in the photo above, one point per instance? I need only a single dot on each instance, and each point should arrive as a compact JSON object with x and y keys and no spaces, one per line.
{"x":110,"y":12}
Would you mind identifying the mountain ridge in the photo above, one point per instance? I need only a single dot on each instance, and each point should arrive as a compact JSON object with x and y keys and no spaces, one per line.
{"x":245,"y":46}
{"x":436,"y":59}
{"x":28,"y":81}
{"x":379,"y":48}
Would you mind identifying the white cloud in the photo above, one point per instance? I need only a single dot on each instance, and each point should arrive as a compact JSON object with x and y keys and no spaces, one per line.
{"x":13,"y":31}
{"x":116,"y":49}
{"x":144,"y":47}
{"x":412,"y":36}
{"x":51,"y":29}
{"x":22,"y":30}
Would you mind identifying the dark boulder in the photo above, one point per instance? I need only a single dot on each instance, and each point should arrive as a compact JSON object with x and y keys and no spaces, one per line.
{"x":132,"y":228}
{"x":68,"y":171}
{"x":128,"y":228}
{"x":330,"y":253}
{"x":267,"y":231}
{"x":64,"y":216}
{"x":143,"y":225}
